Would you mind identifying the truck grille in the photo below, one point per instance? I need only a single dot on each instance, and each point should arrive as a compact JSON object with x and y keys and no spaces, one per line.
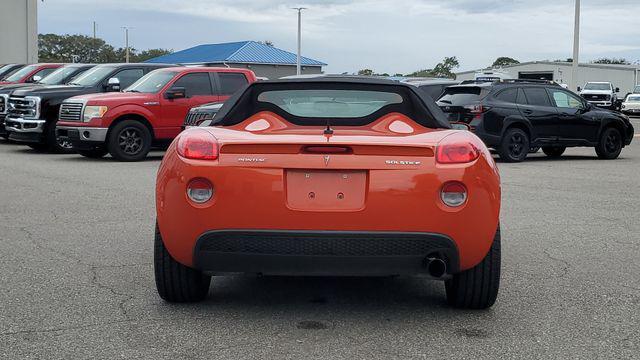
{"x":597,"y":97}
{"x":23,"y":107}
{"x":70,"y":112}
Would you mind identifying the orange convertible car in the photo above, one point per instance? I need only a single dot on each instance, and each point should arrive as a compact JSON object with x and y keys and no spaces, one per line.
{"x":329,"y":176}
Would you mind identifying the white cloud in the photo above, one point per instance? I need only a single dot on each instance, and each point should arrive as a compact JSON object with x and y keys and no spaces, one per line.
{"x":388,"y":36}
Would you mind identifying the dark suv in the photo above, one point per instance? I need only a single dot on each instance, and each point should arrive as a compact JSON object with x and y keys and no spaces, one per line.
{"x":512,"y":116}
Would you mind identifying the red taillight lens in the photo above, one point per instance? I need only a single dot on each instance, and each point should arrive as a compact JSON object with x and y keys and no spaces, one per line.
{"x":458,"y":148}
{"x":453,"y":193}
{"x":199,"y":190}
{"x":198,"y":144}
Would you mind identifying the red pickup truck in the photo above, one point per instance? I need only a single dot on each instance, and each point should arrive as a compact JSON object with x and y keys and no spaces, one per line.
{"x":30,"y":73}
{"x":147,"y":114}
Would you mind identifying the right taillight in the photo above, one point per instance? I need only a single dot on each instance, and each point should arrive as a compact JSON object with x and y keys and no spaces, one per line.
{"x":457,"y":148}
{"x":198,"y":144}
{"x":453,"y":193}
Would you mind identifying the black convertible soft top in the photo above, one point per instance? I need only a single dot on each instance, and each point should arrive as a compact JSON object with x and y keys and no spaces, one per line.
{"x":415,"y":105}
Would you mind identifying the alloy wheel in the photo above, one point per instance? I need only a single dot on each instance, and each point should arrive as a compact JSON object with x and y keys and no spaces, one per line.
{"x":612,"y":142}
{"x":130,"y":140}
{"x":517,"y":145}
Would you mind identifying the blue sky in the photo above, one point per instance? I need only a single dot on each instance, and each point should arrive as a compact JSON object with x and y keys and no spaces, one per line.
{"x":386,"y":36}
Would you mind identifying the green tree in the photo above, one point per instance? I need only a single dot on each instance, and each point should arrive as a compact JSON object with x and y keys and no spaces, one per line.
{"x":365,"y":72}
{"x":81,"y":48}
{"x":620,"y":61}
{"x":441,"y":70}
{"x":504,"y":61}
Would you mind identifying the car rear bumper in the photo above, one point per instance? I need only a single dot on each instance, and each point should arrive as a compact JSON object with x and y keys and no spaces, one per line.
{"x":322,"y":253}
{"x":83,"y":137}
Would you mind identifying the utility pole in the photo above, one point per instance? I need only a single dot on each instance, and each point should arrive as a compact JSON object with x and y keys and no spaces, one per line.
{"x":94,"y":30}
{"x":298,"y":62}
{"x":126,"y":40}
{"x":576,"y":47}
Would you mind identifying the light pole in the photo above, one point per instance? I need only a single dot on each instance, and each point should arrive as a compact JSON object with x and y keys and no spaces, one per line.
{"x":576,"y":46}
{"x":126,"y":40}
{"x":298,"y":67}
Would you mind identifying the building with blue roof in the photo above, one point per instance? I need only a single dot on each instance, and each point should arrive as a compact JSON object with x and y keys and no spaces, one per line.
{"x":265,"y":60}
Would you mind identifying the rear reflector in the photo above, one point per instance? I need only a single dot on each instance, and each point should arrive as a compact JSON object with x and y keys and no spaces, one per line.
{"x":198,"y":144}
{"x":458,"y":148}
{"x":199,"y":190}
{"x":453,"y":193}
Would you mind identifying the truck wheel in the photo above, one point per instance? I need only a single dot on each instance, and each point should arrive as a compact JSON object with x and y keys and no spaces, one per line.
{"x":55,"y":144}
{"x":610,"y":144}
{"x":129,"y":140}
{"x":514,"y":146}
{"x":553,"y":151}
{"x":93,"y":153}
{"x":477,"y":288}
{"x":174,"y":281}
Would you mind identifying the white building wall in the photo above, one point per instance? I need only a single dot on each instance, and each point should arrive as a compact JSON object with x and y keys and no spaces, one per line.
{"x":18,"y":31}
{"x":623,"y":77}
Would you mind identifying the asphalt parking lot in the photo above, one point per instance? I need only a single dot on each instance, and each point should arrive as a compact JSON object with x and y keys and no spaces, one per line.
{"x":77,"y":278}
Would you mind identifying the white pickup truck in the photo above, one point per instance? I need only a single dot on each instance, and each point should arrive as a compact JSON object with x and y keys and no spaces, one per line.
{"x":601,"y":94}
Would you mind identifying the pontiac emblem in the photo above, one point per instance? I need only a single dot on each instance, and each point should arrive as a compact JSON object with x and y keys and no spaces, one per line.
{"x":326,"y":160}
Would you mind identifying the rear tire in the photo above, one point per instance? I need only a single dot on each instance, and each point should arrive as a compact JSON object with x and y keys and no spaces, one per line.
{"x":129,"y":140}
{"x":93,"y":154}
{"x":477,"y":288}
{"x":514,"y":146}
{"x":610,"y":145}
{"x":174,"y":281}
{"x":553,"y":151}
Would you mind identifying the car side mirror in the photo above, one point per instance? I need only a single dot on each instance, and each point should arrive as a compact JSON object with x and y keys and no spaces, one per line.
{"x":460,"y":126}
{"x":617,"y":90}
{"x":579,"y":89}
{"x":36,"y":78}
{"x":176,"y":92}
{"x":113,"y":84}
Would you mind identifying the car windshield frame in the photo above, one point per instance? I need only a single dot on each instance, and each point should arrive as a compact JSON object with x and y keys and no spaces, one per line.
{"x":138,"y":86}
{"x":598,"y":86}
{"x":16,"y":76}
{"x":58,"y":75}
{"x":102,"y":71}
{"x":633,"y":98}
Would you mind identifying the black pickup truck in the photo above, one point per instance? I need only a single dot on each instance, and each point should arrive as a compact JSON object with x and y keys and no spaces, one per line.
{"x":33,"y":112}
{"x":58,"y":77}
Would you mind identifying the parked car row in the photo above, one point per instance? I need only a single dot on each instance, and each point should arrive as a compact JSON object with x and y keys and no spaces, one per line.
{"x":82,"y":109}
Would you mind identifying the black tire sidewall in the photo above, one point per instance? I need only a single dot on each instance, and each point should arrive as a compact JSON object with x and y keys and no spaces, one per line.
{"x":601,"y":148}
{"x":114,"y":147}
{"x":504,"y":152}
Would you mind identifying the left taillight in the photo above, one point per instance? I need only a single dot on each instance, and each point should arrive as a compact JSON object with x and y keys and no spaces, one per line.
{"x":198,"y":144}
{"x":458,"y":148}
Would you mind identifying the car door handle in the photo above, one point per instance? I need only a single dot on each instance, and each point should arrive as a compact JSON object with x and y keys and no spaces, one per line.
{"x":527,"y":111}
